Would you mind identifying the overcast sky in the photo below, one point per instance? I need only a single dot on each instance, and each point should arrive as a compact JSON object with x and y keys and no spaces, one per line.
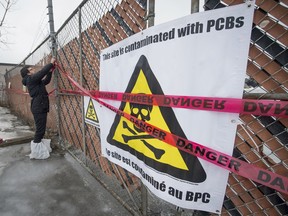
{"x":27,"y":23}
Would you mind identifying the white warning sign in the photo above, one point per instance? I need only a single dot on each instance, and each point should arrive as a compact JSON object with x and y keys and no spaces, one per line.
{"x":90,"y":112}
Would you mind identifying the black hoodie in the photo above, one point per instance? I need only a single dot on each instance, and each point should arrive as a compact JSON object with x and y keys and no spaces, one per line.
{"x":37,"y":90}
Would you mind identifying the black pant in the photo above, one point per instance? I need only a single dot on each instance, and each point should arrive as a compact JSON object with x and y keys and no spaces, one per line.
{"x":40,"y":120}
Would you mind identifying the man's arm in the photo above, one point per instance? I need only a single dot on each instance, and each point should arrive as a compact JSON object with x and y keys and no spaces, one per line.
{"x":47,"y":79}
{"x":37,"y":77}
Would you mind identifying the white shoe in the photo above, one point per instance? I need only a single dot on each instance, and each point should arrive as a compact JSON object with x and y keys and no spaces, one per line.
{"x":40,"y":150}
{"x":47,"y":144}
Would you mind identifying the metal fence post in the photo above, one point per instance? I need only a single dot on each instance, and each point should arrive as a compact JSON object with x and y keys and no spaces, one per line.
{"x":195,"y":9}
{"x":51,"y":24}
{"x":81,"y":82}
{"x":150,"y":22}
{"x":194,"y":6}
{"x":151,"y":13}
{"x":54,"y":54}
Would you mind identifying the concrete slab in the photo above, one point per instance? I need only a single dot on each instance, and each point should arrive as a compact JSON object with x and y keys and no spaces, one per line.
{"x":58,"y":185}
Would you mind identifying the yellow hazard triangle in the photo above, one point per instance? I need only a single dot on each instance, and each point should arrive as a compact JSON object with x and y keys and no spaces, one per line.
{"x":91,"y":113}
{"x":153,"y":152}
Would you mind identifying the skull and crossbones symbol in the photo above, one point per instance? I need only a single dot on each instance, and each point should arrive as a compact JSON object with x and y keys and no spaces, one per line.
{"x":142,"y":112}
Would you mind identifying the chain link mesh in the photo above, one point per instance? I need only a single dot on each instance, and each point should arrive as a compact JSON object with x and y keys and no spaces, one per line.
{"x":260,"y":140}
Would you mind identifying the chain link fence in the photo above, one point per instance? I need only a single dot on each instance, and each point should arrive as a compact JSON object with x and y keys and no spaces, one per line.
{"x":95,"y":25}
{"x":261,"y":140}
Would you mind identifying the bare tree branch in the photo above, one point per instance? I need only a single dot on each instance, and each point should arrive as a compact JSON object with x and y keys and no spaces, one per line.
{"x":5,"y":6}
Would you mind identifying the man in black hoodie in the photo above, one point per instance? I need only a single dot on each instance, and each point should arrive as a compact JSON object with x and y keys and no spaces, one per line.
{"x":36,"y":82}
